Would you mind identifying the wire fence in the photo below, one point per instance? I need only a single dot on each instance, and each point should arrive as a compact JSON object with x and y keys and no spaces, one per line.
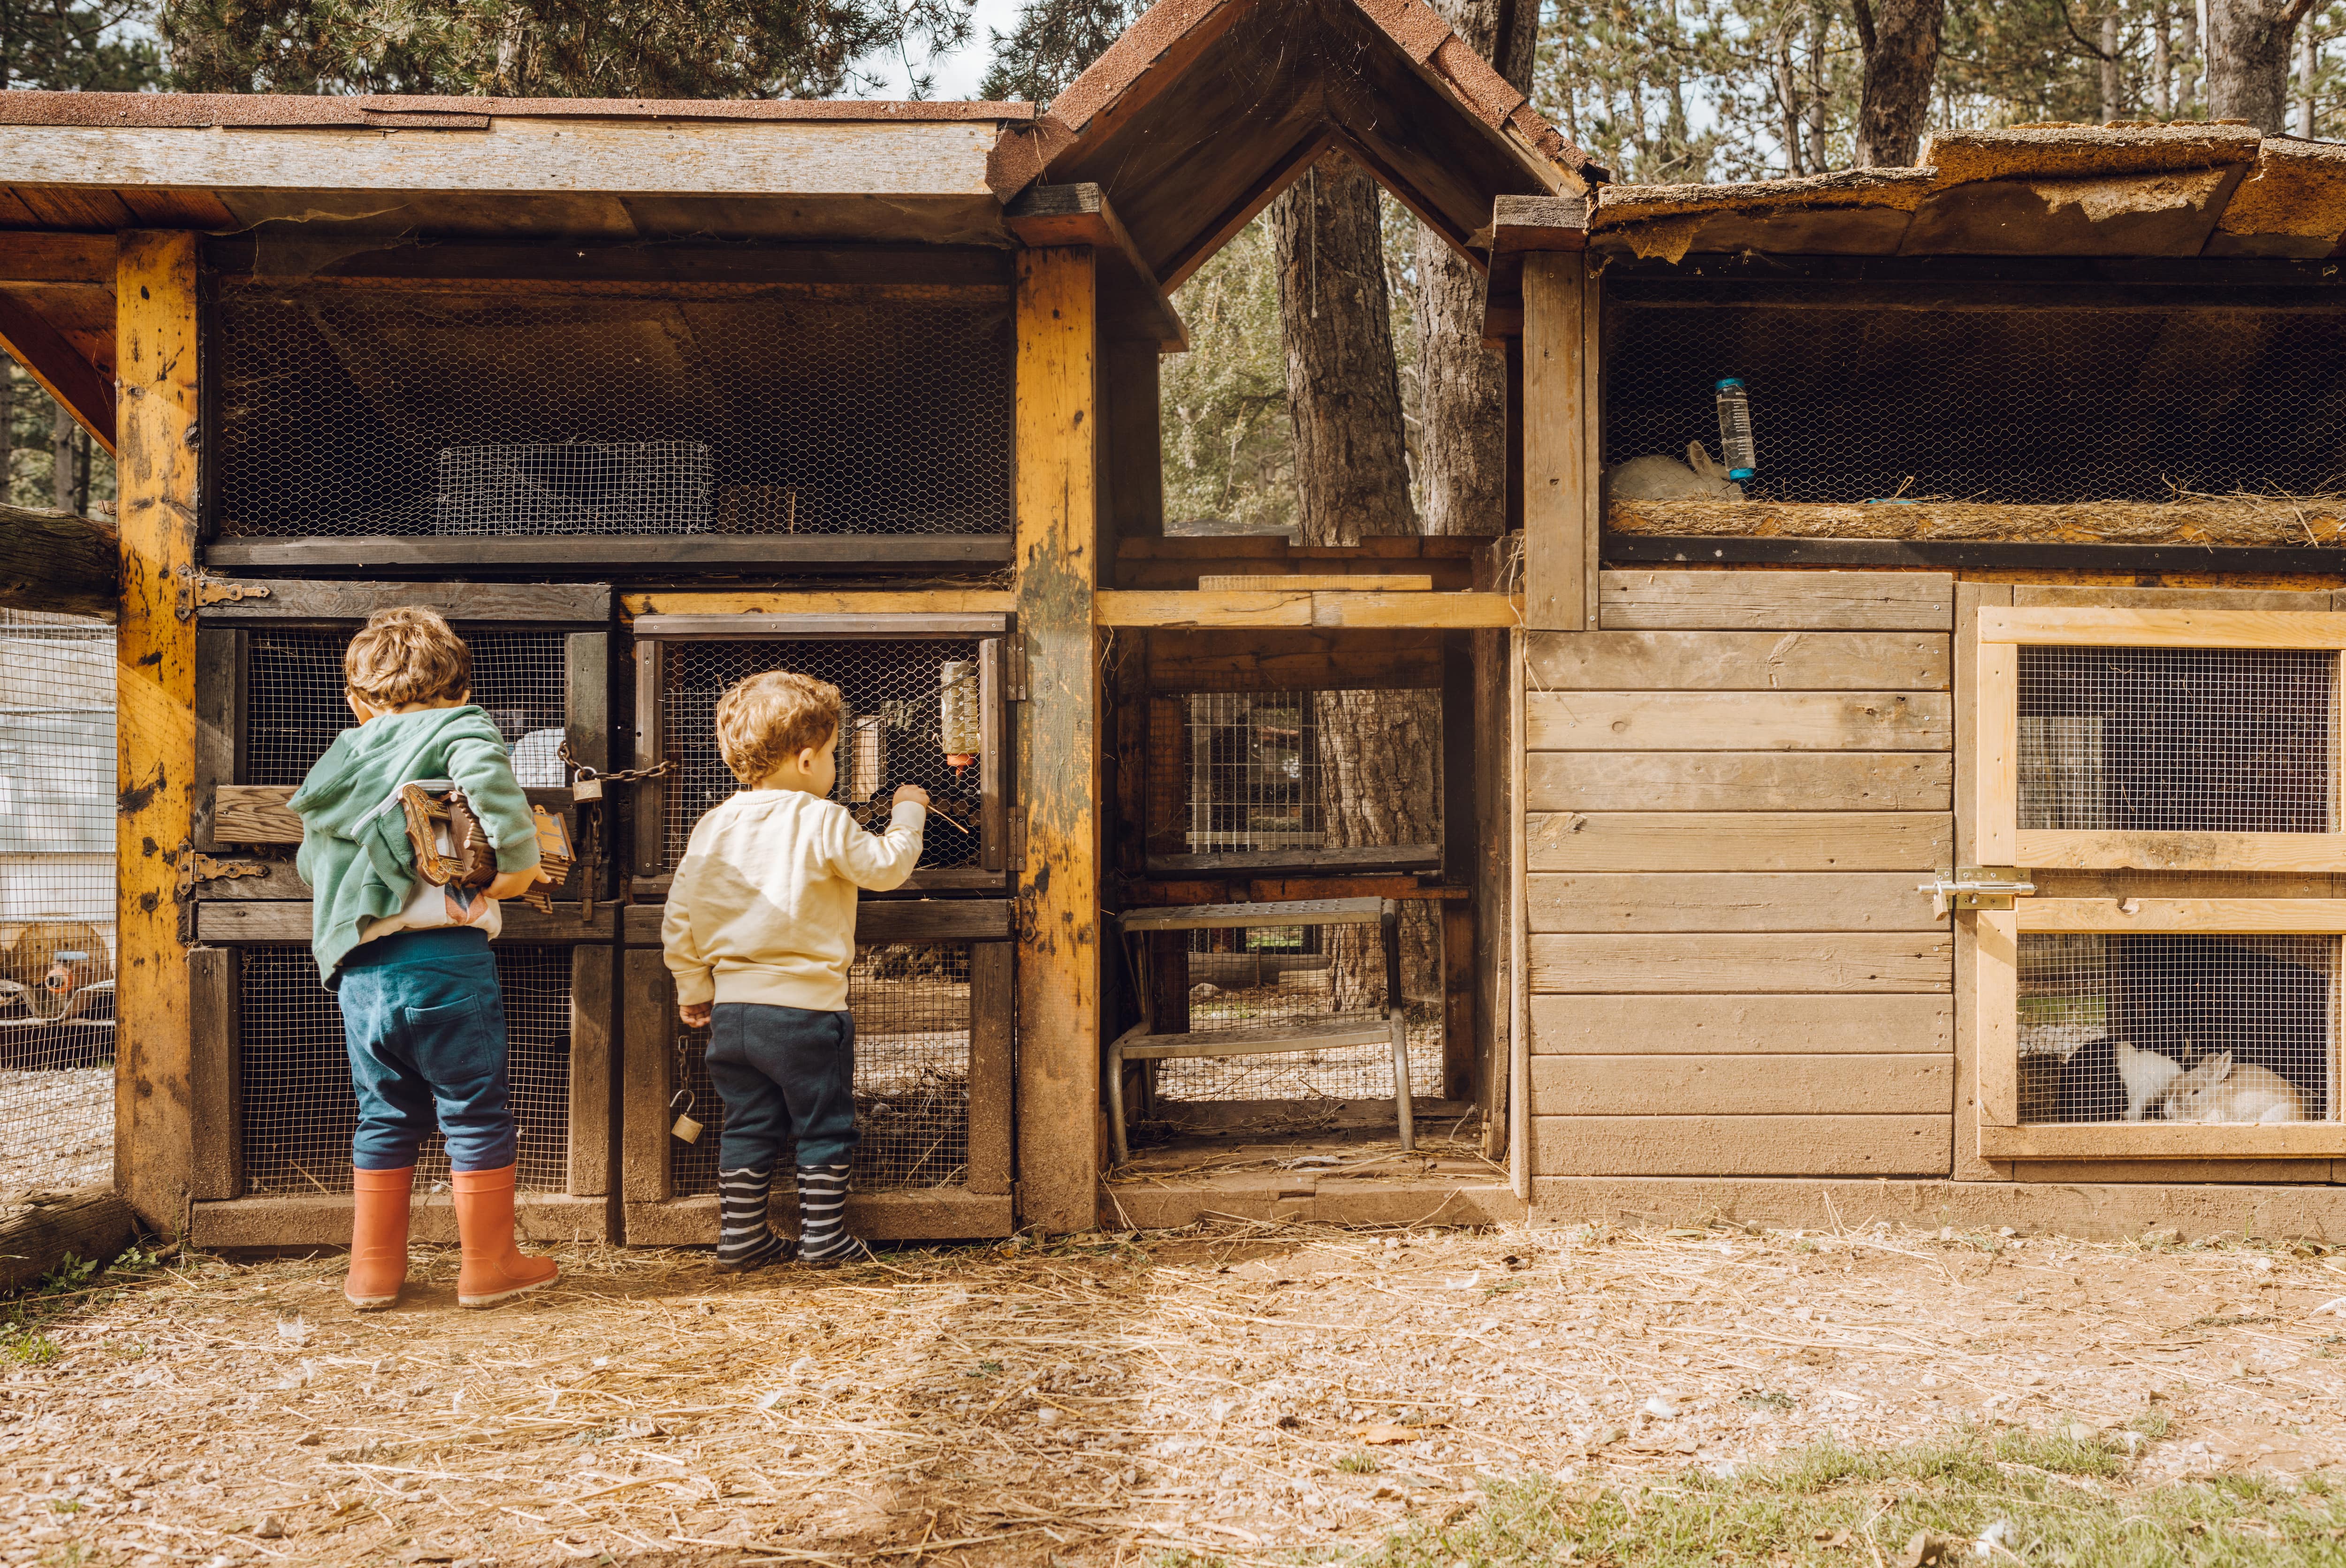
{"x":56,"y":900}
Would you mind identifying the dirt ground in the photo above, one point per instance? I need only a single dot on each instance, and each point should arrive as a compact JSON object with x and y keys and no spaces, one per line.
{"x":1250,"y":1394}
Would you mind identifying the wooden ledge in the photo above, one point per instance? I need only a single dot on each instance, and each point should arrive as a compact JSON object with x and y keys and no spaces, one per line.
{"x":1293,"y":607}
{"x":2162,"y":1140}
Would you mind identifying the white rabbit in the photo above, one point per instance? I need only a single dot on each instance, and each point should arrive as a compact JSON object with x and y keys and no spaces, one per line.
{"x":2218,"y":1091}
{"x":1699,"y":478}
{"x":2147,"y":1075}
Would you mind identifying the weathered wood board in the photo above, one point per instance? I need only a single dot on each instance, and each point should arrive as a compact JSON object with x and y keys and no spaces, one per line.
{"x":1738,"y":722}
{"x":1813,"y":1145}
{"x":1607,"y":902}
{"x":1744,"y":961}
{"x":1750,"y":1023}
{"x":1658,"y":600}
{"x":1738,"y":840}
{"x":1898,"y":1083}
{"x":1738,"y":780}
{"x":1740,"y":661}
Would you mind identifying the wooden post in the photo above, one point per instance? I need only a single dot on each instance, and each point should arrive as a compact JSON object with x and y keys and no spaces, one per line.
{"x":1559,"y":489}
{"x":1058,"y":867}
{"x":155,"y":696}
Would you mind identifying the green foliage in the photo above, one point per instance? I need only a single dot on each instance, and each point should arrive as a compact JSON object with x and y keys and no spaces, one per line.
{"x":99,"y":46}
{"x":1229,"y":444}
{"x":1358,"y":1464}
{"x":1828,"y":1506}
{"x":549,"y":48}
{"x":1051,"y":44}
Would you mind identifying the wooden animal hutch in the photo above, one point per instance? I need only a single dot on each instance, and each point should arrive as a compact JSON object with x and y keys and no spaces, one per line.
{"x":1933,"y":808}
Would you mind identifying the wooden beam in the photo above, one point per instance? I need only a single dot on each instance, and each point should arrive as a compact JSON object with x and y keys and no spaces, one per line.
{"x":293,"y":600}
{"x":86,"y":390}
{"x":781,"y":602}
{"x":90,"y":1224}
{"x":1302,"y":607}
{"x":1132,"y":302}
{"x":2164,"y":628}
{"x":58,"y":562}
{"x":1316,"y":660}
{"x":156,"y":333}
{"x":1557,"y":488}
{"x":33,"y":256}
{"x":591,"y":551}
{"x":1058,"y":959}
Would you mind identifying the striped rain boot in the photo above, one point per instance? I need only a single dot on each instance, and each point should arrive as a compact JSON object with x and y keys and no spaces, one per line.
{"x":744,"y":1240}
{"x":822,"y":1216}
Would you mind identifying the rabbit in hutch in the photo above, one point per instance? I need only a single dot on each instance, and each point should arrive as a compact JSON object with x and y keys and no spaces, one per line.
{"x":2220,"y":1090}
{"x":2105,"y":1073}
{"x":1656,"y":478}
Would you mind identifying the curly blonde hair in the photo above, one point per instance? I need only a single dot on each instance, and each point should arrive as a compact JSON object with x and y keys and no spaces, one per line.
{"x":407,"y":655}
{"x":769,"y":717}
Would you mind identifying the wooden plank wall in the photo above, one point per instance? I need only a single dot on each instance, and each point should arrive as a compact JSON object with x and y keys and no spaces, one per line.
{"x":1732,"y":787}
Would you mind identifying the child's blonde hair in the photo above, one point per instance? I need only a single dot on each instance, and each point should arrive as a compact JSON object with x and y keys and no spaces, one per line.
{"x":771,"y":716}
{"x":407,"y":655}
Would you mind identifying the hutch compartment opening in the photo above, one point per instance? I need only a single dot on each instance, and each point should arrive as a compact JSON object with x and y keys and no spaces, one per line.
{"x":478,"y":408}
{"x":298,"y":1113}
{"x":1951,"y":391}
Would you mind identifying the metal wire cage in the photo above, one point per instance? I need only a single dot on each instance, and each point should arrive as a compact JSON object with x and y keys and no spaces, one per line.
{"x":514,"y":408}
{"x":294,"y":708}
{"x":1258,"y":774}
{"x":1261,"y":978}
{"x":2215,"y":1028}
{"x":298,"y":1112}
{"x":1986,"y":401}
{"x":921,"y":710}
{"x":911,"y":1001}
{"x":2177,"y":739}
{"x":56,"y":900}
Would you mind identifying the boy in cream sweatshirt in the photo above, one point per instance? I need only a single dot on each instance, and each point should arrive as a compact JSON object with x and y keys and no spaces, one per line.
{"x":760,"y":932}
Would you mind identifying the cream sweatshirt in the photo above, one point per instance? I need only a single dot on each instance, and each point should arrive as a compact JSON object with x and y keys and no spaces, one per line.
{"x":763,"y":906}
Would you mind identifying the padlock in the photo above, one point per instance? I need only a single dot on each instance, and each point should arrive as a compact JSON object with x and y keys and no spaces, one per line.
{"x":586,"y":787}
{"x":686,"y":1129}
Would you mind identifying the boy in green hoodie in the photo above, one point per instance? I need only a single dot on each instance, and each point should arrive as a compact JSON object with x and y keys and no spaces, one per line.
{"x":422,"y":1014}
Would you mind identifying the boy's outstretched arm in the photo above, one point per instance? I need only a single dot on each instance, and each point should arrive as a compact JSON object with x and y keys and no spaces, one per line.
{"x":695,"y":977}
{"x":485,"y":773}
{"x":882,"y":861}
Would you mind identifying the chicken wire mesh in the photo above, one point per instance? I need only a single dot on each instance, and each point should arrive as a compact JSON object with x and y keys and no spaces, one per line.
{"x":2015,"y":404}
{"x":294,"y":705}
{"x":515,"y":409}
{"x":2175,"y":1028}
{"x":911,"y":1005}
{"x":298,"y":1112}
{"x":1260,"y":777}
{"x":56,"y":900}
{"x":2177,"y":739}
{"x":895,"y":694}
{"x":1259,"y":977}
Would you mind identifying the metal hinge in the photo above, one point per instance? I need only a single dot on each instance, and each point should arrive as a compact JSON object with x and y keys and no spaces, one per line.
{"x":1014,"y":671}
{"x":1975,"y":888}
{"x":198,"y":591}
{"x":196,"y":867}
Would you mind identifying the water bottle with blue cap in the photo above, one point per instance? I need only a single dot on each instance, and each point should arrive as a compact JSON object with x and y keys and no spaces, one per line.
{"x":1735,"y":430}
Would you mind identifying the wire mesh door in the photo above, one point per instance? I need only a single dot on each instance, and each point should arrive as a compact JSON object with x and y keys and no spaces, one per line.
{"x":297,"y":1111}
{"x":911,"y":1006}
{"x":2166,"y":782}
{"x":919,"y":706}
{"x":56,"y":900}
{"x":479,"y":408}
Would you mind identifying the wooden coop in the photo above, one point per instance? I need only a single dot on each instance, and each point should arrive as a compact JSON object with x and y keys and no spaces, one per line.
{"x":1938,"y":821}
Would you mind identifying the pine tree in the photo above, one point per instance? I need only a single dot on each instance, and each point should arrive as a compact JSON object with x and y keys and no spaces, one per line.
{"x":1051,"y":45}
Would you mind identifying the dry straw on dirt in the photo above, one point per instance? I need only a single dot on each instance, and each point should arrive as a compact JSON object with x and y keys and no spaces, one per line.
{"x":1243,"y":1392}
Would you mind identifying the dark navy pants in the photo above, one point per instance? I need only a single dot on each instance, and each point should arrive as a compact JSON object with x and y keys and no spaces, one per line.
{"x":782,"y":1073}
{"x":426,"y":1025}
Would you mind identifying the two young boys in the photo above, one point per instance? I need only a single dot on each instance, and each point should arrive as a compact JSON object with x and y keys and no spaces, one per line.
{"x":760,"y":932}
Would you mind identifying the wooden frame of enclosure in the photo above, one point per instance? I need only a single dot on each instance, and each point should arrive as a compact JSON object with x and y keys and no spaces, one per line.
{"x":1993,"y":639}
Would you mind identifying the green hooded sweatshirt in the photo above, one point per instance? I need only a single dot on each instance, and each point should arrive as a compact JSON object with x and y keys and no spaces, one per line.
{"x":356,"y":858}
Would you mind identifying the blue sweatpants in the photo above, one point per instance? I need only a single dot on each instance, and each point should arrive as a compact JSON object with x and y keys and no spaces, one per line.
{"x":782,"y":1071}
{"x":426,"y":1025}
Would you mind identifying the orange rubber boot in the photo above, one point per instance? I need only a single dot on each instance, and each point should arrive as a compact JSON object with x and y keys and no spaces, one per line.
{"x":378,"y":1236}
{"x":493,"y":1269}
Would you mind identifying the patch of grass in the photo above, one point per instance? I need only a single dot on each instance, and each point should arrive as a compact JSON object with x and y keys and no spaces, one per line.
{"x":1837,"y":1507}
{"x":1359,"y":1465}
{"x":67,"y":1288}
{"x":23,"y":1345}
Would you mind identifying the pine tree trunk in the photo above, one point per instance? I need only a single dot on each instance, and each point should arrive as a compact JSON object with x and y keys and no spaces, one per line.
{"x":1901,"y":58}
{"x":1378,"y":759}
{"x":61,"y":460}
{"x":2248,"y":61}
{"x":1461,"y":416}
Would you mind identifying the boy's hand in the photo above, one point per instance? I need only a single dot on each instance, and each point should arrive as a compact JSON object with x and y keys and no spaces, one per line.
{"x":513,"y":884}
{"x":694,"y":1013}
{"x":913,"y":792}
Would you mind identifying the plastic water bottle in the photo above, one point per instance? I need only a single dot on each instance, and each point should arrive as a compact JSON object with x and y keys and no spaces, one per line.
{"x":1735,"y":430}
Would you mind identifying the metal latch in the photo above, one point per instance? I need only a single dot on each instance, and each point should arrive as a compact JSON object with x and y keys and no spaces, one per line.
{"x":1014,"y":674}
{"x":1975,"y":888}
{"x":199,"y":868}
{"x":198,"y":591}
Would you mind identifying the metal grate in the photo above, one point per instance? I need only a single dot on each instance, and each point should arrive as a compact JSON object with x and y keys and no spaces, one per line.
{"x":516,"y":408}
{"x":895,"y":694}
{"x":2172,"y":739}
{"x":56,"y":900}
{"x":1255,"y":777}
{"x":2019,"y":405}
{"x":911,"y":1002}
{"x":1247,"y":979}
{"x":294,"y":705}
{"x":299,"y":1112}
{"x":2117,"y":1028}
